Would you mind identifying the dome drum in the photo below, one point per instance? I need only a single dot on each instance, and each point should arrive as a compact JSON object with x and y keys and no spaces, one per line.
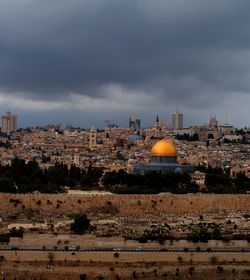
{"x":163,"y":159}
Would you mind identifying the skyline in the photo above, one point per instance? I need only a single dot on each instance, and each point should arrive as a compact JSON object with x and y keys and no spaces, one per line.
{"x":88,"y":61}
{"x":125,"y":123}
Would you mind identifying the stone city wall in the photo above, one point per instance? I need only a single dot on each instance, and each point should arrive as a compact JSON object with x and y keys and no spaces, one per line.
{"x":124,"y":204}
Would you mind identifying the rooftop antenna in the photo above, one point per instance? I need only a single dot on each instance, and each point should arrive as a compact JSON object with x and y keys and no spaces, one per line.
{"x":211,"y":114}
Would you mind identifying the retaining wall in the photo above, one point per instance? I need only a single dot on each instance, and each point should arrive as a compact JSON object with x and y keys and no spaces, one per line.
{"x":124,"y":204}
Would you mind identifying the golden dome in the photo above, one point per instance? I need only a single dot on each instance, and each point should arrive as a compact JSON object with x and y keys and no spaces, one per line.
{"x":163,"y":148}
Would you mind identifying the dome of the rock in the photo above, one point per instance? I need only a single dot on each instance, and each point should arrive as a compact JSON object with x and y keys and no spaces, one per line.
{"x":163,"y":148}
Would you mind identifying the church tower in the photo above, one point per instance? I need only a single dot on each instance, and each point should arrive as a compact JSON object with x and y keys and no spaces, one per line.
{"x":157,"y":126}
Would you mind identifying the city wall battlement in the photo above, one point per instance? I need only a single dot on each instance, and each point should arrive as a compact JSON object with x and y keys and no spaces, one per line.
{"x":124,"y":204}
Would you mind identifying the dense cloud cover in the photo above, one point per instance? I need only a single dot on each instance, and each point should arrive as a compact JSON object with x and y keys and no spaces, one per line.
{"x":84,"y":61}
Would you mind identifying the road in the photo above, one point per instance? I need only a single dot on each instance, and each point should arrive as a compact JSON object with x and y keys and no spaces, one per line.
{"x":134,"y":250}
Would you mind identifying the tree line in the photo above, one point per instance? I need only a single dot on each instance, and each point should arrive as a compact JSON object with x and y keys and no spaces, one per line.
{"x":218,"y":180}
{"x":22,"y":177}
{"x":187,"y":137}
{"x":122,"y":182}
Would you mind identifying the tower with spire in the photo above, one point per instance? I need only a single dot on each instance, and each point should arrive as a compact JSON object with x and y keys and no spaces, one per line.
{"x":157,"y":125}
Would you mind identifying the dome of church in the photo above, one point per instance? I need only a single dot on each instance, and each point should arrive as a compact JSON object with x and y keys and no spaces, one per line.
{"x":135,"y":137}
{"x":178,"y":170}
{"x":163,"y":148}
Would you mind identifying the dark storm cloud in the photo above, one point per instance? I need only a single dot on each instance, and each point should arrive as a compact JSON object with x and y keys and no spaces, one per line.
{"x":188,"y":52}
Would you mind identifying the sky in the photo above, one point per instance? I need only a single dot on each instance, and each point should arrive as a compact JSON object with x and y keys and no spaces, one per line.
{"x":82,"y":62}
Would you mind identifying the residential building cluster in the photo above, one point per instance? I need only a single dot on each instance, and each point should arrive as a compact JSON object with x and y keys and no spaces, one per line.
{"x":117,"y":148}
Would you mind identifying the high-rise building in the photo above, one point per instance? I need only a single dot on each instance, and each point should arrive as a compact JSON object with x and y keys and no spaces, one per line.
{"x":9,"y":123}
{"x":177,"y":120}
{"x":134,"y":123}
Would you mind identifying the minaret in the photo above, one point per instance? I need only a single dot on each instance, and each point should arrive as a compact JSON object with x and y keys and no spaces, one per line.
{"x":92,"y":137}
{"x":76,"y":157}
